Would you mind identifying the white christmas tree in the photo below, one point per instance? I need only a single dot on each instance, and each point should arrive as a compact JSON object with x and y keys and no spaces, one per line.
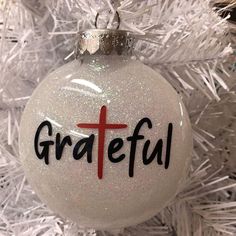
{"x":187,"y":42}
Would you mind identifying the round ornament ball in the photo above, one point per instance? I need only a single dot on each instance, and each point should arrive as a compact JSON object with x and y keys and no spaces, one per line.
{"x":105,"y":141}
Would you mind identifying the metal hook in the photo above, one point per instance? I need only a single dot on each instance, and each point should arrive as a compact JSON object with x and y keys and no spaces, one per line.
{"x":118,"y":20}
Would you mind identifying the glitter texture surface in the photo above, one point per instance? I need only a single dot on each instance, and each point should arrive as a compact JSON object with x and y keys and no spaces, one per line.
{"x":75,"y":94}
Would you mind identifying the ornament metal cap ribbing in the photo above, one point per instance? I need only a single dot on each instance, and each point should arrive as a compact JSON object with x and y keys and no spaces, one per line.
{"x":104,"y":41}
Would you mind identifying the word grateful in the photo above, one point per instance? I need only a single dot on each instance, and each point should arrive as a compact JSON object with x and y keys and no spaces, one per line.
{"x":85,"y":146}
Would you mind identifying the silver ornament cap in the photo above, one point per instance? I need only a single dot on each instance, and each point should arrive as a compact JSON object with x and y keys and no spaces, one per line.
{"x":105,"y":42}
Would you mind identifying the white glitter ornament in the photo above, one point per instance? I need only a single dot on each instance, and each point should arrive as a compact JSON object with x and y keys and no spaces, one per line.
{"x":105,"y":140}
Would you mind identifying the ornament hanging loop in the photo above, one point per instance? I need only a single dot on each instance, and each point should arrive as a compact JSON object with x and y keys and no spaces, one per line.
{"x":105,"y":41}
{"x":118,"y":20}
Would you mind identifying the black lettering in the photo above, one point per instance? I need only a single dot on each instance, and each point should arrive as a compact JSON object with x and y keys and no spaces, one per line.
{"x":133,"y":139}
{"x":114,"y":146}
{"x":156,"y":152}
{"x":61,"y":144}
{"x":87,"y":147}
{"x":168,"y":145}
{"x":46,"y":144}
